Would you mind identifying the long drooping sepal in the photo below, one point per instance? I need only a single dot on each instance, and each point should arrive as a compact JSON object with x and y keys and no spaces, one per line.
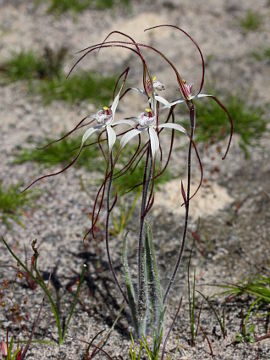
{"x":193,"y":41}
{"x":228,"y":116}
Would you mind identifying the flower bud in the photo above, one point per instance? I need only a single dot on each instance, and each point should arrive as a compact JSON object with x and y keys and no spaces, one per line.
{"x":4,"y":349}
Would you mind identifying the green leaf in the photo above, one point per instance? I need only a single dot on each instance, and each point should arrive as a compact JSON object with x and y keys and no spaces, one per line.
{"x":130,"y":288}
{"x":152,"y":283}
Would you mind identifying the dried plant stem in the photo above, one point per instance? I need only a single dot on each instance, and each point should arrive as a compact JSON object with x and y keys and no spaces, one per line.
{"x":179,"y":258}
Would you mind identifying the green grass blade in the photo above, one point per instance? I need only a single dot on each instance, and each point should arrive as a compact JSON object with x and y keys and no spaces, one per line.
{"x":41,"y":283}
{"x":220,"y":322}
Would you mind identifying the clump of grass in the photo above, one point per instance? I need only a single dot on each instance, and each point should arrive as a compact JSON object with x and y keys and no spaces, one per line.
{"x":26,"y":65}
{"x":63,"y":152}
{"x":132,"y":178}
{"x":77,"y":6}
{"x":262,"y":55}
{"x":252,"y":21}
{"x":259,"y":288}
{"x":34,"y":273}
{"x":12,"y":203}
{"x":21,"y":66}
{"x":249,"y":122}
{"x":45,"y":75}
{"x":79,"y":87}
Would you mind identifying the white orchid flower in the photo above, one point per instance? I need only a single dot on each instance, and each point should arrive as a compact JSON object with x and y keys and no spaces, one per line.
{"x":188,"y":88}
{"x":105,"y":121}
{"x":189,"y":96}
{"x":146,"y":121}
{"x":157,"y":85}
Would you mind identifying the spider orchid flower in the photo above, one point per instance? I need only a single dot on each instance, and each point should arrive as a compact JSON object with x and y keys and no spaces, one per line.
{"x":157,"y":85}
{"x":152,"y":86}
{"x":104,"y":120}
{"x":188,"y":88}
{"x":146,"y":122}
{"x":4,"y":348}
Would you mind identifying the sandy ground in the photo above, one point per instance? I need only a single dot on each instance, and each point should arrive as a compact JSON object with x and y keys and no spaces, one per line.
{"x":232,"y":206}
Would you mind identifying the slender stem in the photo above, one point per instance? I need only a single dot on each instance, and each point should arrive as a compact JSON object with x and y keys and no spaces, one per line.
{"x":170,"y":329}
{"x":192,"y":123}
{"x":107,"y":236}
{"x":146,"y":182}
{"x":36,"y":321}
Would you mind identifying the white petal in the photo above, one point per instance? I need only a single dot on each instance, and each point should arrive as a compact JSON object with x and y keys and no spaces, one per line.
{"x":173,"y":126}
{"x":154,"y":141}
{"x":88,"y":133}
{"x":203,"y":95}
{"x":125,"y":122}
{"x":167,"y":103}
{"x":141,"y":91}
{"x":163,"y":101}
{"x":115,"y":103}
{"x":128,"y":136}
{"x":111,"y":137}
{"x":179,"y":101}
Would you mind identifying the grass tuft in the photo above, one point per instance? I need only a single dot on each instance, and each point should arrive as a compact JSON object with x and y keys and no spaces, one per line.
{"x":251,"y":22}
{"x":77,"y":6}
{"x":63,"y":152}
{"x":12,"y":203}
{"x":132,"y":178}
{"x":26,"y":65}
{"x":21,"y":66}
{"x":249,"y":122}
{"x":262,"y":55}
{"x":79,"y":87}
{"x":45,"y":75}
{"x":259,"y":288}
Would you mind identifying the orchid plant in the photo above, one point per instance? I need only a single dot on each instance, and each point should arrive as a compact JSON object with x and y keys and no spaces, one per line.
{"x":145,"y":298}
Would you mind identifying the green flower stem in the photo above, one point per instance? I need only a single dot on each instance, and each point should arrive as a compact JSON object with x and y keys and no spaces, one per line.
{"x":146,"y":182}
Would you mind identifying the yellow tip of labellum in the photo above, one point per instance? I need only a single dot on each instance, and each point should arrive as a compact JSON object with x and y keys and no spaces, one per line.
{"x":105,"y":108}
{"x":148,"y":110}
{"x":154,"y":78}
